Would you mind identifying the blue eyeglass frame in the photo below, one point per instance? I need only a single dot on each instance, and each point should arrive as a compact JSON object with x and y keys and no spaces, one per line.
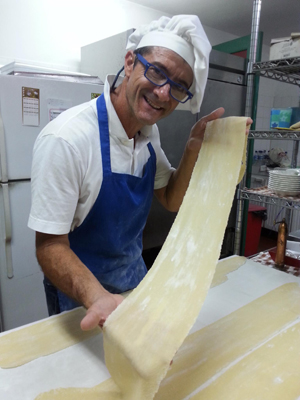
{"x":147,"y":65}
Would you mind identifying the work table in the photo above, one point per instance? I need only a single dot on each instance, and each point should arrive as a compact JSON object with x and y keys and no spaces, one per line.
{"x":82,"y":364}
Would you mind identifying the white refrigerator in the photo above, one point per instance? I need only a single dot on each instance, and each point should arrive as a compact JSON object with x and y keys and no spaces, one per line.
{"x":27,"y":104}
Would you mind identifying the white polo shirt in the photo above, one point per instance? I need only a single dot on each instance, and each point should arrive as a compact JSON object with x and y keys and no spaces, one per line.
{"x":67,"y":172}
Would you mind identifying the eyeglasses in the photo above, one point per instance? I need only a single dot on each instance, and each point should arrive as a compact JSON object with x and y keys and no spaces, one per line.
{"x":159,"y":78}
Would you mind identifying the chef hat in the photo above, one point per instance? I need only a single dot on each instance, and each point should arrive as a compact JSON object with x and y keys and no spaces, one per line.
{"x":184,"y":35}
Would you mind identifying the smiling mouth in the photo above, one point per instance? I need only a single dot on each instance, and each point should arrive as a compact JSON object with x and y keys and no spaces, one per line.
{"x":151,"y":104}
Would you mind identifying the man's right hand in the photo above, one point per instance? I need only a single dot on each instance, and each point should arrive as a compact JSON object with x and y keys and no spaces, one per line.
{"x":98,"y":312}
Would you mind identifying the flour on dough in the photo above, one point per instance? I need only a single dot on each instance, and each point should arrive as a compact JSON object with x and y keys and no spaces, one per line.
{"x":172,"y":293}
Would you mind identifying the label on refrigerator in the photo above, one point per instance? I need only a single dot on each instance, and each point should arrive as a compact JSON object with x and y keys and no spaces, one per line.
{"x":95,"y":95}
{"x":56,"y":107}
{"x":30,"y":106}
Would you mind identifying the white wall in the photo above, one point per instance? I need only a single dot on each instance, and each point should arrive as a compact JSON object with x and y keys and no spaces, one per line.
{"x":50,"y":33}
{"x":215,"y":36}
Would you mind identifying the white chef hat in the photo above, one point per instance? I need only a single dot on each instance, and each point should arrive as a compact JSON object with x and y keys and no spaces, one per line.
{"x":184,"y":35}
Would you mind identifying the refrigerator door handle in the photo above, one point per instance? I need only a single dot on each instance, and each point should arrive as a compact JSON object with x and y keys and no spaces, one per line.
{"x":8,"y":230}
{"x":3,"y":164}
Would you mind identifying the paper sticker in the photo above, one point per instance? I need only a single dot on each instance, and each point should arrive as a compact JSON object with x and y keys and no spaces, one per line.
{"x":95,"y":95}
{"x":30,"y":106}
{"x":56,"y":107}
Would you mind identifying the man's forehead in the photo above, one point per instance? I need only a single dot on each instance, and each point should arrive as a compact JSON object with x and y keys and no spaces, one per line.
{"x":159,"y":54}
{"x":164,"y":58}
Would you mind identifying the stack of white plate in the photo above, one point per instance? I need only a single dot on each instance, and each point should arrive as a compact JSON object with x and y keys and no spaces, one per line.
{"x":285,"y":181}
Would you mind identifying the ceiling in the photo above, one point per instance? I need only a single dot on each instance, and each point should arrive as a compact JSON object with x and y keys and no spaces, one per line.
{"x":279,"y":18}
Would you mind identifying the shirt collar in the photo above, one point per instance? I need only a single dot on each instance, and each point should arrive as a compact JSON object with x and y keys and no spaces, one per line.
{"x":115,"y":127}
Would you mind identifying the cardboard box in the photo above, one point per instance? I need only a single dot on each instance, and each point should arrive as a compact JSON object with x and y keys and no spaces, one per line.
{"x":280,"y":118}
{"x":286,"y":47}
{"x":284,"y":117}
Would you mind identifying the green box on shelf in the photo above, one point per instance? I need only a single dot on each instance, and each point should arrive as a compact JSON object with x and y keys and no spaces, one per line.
{"x":280,"y":118}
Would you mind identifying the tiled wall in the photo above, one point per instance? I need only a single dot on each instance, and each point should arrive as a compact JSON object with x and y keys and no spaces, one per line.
{"x":273,"y":94}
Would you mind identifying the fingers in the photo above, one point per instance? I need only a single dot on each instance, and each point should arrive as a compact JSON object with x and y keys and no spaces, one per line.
{"x":100,"y":310}
{"x":91,"y":320}
{"x":248,"y":124}
{"x":201,"y":125}
{"x":214,"y":115}
{"x":197,"y":133}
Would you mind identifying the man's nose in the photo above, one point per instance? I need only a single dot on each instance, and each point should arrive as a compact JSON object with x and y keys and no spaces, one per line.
{"x":163,"y":92}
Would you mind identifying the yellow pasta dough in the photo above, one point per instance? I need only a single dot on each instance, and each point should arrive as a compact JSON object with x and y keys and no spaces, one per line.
{"x":43,"y":338}
{"x":224,"y":267}
{"x":269,"y":373}
{"x":172,"y":293}
{"x":207,"y":352}
{"x":212,"y":349}
{"x":34,"y":341}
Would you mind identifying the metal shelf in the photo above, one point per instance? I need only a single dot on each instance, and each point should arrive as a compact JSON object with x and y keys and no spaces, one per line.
{"x":284,"y":70}
{"x":258,"y":196}
{"x":277,"y":134}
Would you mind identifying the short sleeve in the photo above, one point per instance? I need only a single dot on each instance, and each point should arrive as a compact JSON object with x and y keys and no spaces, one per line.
{"x":56,"y":179}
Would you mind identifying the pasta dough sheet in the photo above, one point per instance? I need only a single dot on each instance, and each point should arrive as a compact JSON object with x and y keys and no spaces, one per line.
{"x":48,"y":336}
{"x":224,"y":267}
{"x":264,"y":374}
{"x":207,"y":352}
{"x":142,"y":335}
{"x":16,"y":347}
{"x":212,"y":349}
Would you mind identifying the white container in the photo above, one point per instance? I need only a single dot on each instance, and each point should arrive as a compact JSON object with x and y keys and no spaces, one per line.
{"x":285,"y":47}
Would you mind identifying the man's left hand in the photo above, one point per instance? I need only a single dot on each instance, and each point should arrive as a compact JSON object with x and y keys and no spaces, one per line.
{"x":198,"y":130}
{"x":197,"y":133}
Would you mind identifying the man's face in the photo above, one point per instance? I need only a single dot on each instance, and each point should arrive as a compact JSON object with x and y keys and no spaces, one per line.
{"x":149,"y":103}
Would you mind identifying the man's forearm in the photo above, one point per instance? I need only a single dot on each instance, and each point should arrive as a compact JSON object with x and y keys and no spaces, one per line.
{"x":65,"y":270}
{"x":179,"y":180}
{"x":171,"y":196}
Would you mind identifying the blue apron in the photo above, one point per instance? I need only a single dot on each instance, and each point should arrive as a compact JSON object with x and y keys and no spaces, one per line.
{"x":109,"y":241}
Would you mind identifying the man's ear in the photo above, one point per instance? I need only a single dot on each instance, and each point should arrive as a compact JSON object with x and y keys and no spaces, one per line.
{"x":129,"y":63}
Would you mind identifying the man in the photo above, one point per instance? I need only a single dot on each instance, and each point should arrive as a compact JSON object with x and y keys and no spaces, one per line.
{"x":96,"y":166}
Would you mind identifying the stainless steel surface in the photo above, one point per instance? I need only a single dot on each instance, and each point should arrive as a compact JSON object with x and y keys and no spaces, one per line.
{"x":3,"y":162}
{"x":7,"y":230}
{"x":226,"y":62}
{"x":238,"y":225}
{"x":227,"y":68}
{"x":284,"y":70}
{"x":223,"y":94}
{"x":275,"y":201}
{"x":295,"y":154}
{"x":248,"y":111}
{"x":278,"y":135}
{"x":252,"y":55}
